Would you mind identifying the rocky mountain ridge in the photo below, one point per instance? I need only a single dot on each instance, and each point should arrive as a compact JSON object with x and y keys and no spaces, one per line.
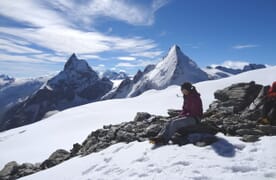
{"x":218,"y":72}
{"x":77,"y":84}
{"x":112,"y":75}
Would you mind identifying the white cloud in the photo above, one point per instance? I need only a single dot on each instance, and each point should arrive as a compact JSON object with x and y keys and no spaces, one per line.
{"x":66,"y":26}
{"x":11,"y":47}
{"x":140,"y":63}
{"x":100,"y":68}
{"x":19,"y":58}
{"x":148,"y":54}
{"x":66,"y":40}
{"x":89,"y":56}
{"x":244,"y":46}
{"x":25,"y":70}
{"x":131,"y":12}
{"x":233,"y":64}
{"x":31,"y":12}
{"x":126,"y":58}
{"x":126,"y":65}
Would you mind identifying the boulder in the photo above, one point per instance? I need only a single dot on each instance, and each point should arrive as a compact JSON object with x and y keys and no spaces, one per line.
{"x":56,"y":158}
{"x":8,"y":170}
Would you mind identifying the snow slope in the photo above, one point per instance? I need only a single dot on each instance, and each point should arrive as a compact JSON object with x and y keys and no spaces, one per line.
{"x":35,"y":142}
{"x":222,"y":160}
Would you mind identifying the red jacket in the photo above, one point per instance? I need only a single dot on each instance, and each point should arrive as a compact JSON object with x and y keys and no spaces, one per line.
{"x":272,"y":91}
{"x":192,"y":105}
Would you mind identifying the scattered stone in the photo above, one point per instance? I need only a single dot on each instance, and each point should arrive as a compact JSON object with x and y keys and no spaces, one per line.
{"x":141,"y":116}
{"x":242,"y":132}
{"x":8,"y":170}
{"x":250,"y":138}
{"x":153,"y":130}
{"x":173,"y":112}
{"x":74,"y":151}
{"x":267,"y":129}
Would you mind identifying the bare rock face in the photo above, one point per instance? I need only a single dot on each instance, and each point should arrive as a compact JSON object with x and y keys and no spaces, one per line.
{"x":238,"y":109}
{"x":56,"y":158}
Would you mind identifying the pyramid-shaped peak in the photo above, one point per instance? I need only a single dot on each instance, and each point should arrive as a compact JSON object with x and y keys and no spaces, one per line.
{"x":75,"y":64}
{"x":73,"y":57}
{"x":174,"y":48}
{"x":176,"y":52}
{"x":71,"y":61}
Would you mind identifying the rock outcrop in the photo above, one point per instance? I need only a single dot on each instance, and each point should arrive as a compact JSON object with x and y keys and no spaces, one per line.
{"x":237,"y":111}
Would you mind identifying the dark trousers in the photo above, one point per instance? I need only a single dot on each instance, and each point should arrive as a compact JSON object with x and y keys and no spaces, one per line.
{"x":172,"y":126}
{"x":269,"y":110}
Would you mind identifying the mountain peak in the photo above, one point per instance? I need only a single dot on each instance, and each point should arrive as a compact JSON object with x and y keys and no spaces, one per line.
{"x":71,"y":61}
{"x":175,"y":47}
{"x":75,"y":64}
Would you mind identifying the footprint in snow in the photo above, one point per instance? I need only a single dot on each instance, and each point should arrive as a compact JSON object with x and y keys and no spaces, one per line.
{"x":155,"y":170}
{"x":118,"y":149}
{"x":89,"y":170}
{"x":182,"y":163}
{"x":100,"y":168}
{"x":254,"y":150}
{"x":107,"y":160}
{"x":141,"y":159}
{"x":239,"y":146}
{"x":242,"y":169}
{"x":129,"y":145}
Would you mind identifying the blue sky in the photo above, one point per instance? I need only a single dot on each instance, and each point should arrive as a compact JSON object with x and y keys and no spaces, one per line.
{"x":37,"y":37}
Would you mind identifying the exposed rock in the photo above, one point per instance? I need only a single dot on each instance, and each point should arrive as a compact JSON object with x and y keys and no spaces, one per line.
{"x":140,"y":116}
{"x":8,"y":170}
{"x":238,"y":109}
{"x":153,"y":130}
{"x":12,"y":170}
{"x":57,"y":157}
{"x":76,"y":148}
{"x":173,"y":112}
{"x":256,"y":132}
{"x":267,"y":129}
{"x":250,"y":138}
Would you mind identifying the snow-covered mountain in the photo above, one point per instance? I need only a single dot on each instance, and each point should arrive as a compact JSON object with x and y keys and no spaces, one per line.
{"x":112,"y":75}
{"x":77,"y":84}
{"x":217,"y":72}
{"x":137,"y":160}
{"x":174,"y":69}
{"x":17,"y":91}
{"x":5,"y":80}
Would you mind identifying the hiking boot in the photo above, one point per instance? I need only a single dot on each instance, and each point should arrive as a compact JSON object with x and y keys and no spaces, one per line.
{"x":264,"y":121}
{"x":157,"y":140}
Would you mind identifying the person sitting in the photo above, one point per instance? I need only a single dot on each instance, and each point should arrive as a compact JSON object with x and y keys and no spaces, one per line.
{"x":269,"y":106}
{"x":190,"y":115}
